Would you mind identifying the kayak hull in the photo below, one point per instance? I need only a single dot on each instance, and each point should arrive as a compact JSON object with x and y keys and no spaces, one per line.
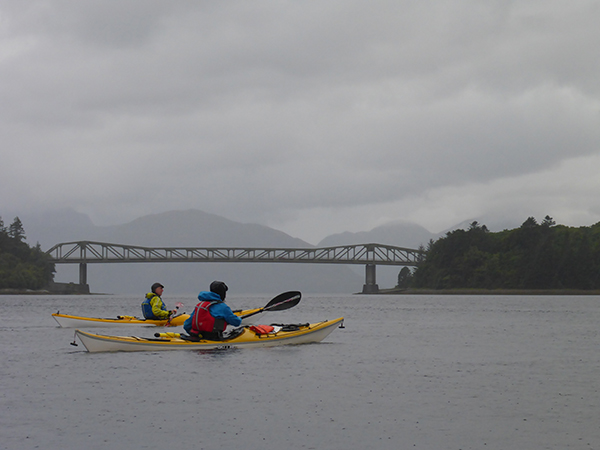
{"x":308,"y":333}
{"x":70,"y":321}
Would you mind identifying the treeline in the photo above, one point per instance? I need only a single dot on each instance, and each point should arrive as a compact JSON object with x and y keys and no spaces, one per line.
{"x":21,"y":266}
{"x":534,"y":256}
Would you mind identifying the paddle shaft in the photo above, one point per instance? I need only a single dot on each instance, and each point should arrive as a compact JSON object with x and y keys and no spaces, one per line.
{"x":289,"y":300}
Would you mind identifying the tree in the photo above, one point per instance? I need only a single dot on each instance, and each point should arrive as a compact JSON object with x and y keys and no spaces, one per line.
{"x":22,"y":267}
{"x":16,"y":230}
{"x":548,"y":222}
{"x":533,"y":256}
{"x":530,"y":223}
{"x":404,"y":278}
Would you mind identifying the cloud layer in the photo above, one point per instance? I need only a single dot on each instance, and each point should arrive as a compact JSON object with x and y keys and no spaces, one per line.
{"x":311,"y":117}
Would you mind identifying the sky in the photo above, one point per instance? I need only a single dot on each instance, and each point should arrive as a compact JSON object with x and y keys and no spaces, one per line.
{"x":313,"y":118}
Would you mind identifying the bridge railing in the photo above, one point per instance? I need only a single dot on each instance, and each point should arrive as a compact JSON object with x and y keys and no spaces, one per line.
{"x":85,"y":252}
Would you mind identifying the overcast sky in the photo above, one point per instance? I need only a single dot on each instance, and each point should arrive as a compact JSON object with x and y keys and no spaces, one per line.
{"x":310,"y":117}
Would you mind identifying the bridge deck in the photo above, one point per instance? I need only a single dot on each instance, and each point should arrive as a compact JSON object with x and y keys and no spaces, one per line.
{"x":102,"y":252}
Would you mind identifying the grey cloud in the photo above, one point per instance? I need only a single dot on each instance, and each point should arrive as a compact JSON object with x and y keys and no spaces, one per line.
{"x":254,"y":110}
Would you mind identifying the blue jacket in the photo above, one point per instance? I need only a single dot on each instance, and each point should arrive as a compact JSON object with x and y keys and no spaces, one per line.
{"x":218,"y":310}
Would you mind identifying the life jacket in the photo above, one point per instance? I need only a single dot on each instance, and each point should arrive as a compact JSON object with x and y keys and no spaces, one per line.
{"x":204,"y":321}
{"x":147,"y":307}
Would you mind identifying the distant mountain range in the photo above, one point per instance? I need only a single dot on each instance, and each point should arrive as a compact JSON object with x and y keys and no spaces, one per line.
{"x":400,"y":234}
{"x":199,"y":229}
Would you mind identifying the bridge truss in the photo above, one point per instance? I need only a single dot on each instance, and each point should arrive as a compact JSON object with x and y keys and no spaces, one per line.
{"x":371,"y":255}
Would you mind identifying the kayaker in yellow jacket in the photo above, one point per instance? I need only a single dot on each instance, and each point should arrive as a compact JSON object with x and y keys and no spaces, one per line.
{"x":153,"y":307}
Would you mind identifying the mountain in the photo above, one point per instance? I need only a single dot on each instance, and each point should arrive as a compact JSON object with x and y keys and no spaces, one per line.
{"x":51,"y":227}
{"x":191,"y":228}
{"x":466,"y":224}
{"x":399,"y":234}
{"x":196,"y":228}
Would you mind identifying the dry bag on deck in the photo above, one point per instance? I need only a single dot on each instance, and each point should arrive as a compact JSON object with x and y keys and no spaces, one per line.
{"x":262,"y":329}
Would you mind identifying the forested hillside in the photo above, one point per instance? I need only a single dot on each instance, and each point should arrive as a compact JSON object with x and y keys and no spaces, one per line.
{"x":21,"y":267}
{"x":533,"y":256}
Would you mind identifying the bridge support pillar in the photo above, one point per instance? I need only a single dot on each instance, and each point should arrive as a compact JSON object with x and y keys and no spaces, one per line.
{"x":82,"y":273}
{"x":370,"y":286}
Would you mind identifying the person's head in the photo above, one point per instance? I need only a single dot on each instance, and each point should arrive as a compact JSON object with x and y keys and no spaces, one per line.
{"x":158,"y":286}
{"x":220,"y":288}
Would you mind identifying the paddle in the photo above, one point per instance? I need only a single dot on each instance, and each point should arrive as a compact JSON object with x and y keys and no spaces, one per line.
{"x":282,"y":302}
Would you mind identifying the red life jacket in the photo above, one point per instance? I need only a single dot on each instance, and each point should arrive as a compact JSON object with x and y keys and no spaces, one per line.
{"x":204,"y":321}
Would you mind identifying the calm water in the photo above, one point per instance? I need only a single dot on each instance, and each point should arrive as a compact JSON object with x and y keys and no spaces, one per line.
{"x":424,"y":372}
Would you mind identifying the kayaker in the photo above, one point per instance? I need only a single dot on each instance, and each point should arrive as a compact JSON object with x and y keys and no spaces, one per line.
{"x":153,"y":307}
{"x":212,"y":315}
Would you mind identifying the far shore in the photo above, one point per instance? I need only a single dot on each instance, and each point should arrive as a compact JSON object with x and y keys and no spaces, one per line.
{"x":396,"y":291}
{"x":9,"y":291}
{"x":43,"y":292}
{"x":393,"y":291}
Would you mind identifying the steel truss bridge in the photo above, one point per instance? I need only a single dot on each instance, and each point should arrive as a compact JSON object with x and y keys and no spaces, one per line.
{"x":371,"y":255}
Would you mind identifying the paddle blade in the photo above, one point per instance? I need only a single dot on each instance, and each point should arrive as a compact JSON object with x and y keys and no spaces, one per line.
{"x":284,"y":301}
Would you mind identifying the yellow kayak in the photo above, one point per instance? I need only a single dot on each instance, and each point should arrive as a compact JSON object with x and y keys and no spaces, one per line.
{"x":69,"y":321}
{"x":242,"y":337}
{"x":281,"y":302}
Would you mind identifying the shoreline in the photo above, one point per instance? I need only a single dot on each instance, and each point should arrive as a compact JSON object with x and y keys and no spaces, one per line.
{"x":52,"y":288}
{"x":394,"y":291}
{"x":9,"y":291}
{"x":486,"y":292}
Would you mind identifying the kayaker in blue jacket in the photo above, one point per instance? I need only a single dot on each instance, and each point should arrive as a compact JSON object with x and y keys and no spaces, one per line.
{"x":153,"y":307}
{"x":212,"y":315}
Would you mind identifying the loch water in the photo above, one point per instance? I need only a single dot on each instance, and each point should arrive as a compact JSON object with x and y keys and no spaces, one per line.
{"x":406,"y":372}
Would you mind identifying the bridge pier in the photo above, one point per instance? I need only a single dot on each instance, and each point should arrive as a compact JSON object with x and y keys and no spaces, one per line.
{"x":82,"y":274}
{"x":83,"y":278}
{"x":370,"y":286}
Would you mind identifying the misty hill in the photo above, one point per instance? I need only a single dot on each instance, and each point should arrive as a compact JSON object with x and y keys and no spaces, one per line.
{"x":170,"y":229}
{"x":198,"y":229}
{"x":399,"y":234}
{"x":187,"y":228}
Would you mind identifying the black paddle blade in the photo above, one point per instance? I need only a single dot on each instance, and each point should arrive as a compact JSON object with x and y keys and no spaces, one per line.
{"x":284,"y":301}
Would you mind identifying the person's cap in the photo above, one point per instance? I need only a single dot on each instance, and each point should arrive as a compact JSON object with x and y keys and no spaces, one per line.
{"x":218,"y":287}
{"x":155,"y":286}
